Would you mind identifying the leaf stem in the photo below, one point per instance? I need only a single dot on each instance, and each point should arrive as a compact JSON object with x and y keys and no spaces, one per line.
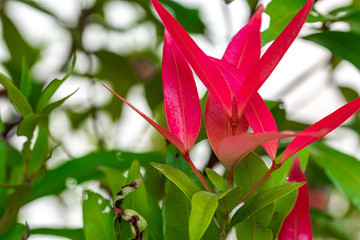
{"x":187,"y":158}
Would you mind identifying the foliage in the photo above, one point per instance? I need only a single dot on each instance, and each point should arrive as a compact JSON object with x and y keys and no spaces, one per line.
{"x":250,"y":195}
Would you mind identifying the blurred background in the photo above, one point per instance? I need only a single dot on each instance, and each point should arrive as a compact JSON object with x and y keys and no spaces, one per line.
{"x":119,"y":42}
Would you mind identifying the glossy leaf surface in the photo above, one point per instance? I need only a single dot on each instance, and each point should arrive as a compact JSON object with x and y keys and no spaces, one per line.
{"x":297,"y":225}
{"x":218,"y":181}
{"x":198,"y":60}
{"x":342,"y":169}
{"x":244,"y":49}
{"x":232,"y":150}
{"x":321,"y":128}
{"x":176,"y":213}
{"x":272,"y":56}
{"x":343,"y":44}
{"x":203,"y":207}
{"x":251,"y":170}
{"x":180,"y":179}
{"x":261,"y":200}
{"x":181,"y":100}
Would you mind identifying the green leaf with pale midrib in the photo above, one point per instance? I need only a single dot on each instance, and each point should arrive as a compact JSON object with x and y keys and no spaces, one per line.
{"x":261,"y":200}
{"x":342,"y":169}
{"x":180,"y":179}
{"x":203,"y":207}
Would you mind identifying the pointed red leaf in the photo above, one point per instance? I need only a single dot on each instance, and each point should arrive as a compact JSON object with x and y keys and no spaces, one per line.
{"x":168,"y":135}
{"x":217,"y":123}
{"x":199,"y":61}
{"x":261,"y":120}
{"x":321,"y":128}
{"x":297,"y":225}
{"x":257,"y":113}
{"x":181,"y":100}
{"x":232,"y":150}
{"x":272,"y":56}
{"x":245,"y":48}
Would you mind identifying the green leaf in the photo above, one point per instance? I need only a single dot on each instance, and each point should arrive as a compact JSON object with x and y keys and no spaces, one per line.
{"x":180,"y":179}
{"x":50,"y":107}
{"x":97,"y":216}
{"x":25,"y":83}
{"x":74,"y":234}
{"x":279,"y":176}
{"x":203,"y":207}
{"x":40,"y":150}
{"x":52,"y":87}
{"x":282,"y":208}
{"x":343,"y":44}
{"x":281,"y":12}
{"x":342,"y":169}
{"x":248,"y":229}
{"x":17,"y":232}
{"x":144,"y":204}
{"x":250,"y":171}
{"x":189,"y":18}
{"x":349,"y":93}
{"x":175,"y":159}
{"x":27,"y":125}
{"x":261,"y":200}
{"x":114,"y":179}
{"x":2,"y":161}
{"x":176,"y":213}
{"x":218,"y":181}
{"x":18,"y":48}
{"x":16,"y":96}
{"x":87,"y":168}
{"x":229,"y":199}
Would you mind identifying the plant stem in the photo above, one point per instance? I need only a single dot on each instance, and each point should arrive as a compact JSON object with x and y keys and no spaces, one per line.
{"x":187,"y":158}
{"x":273,"y":168}
{"x":223,"y":232}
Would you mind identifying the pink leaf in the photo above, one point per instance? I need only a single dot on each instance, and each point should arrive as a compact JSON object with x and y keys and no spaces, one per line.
{"x":199,"y":61}
{"x":272,"y":56}
{"x":181,"y":100}
{"x":217,"y":123}
{"x":168,"y":135}
{"x":297,"y":225}
{"x":257,"y":113}
{"x":261,"y":120}
{"x":232,"y":150}
{"x":245,"y":48}
{"x":321,"y":128}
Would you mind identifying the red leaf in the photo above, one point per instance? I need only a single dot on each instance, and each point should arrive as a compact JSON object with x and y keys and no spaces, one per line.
{"x":257,"y":113}
{"x":272,"y":56}
{"x":245,"y":48}
{"x":261,"y":120}
{"x":321,"y":128}
{"x":199,"y":61}
{"x":232,"y":150}
{"x":297,"y":225}
{"x":217,"y":123}
{"x":181,"y":100}
{"x":168,"y":135}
